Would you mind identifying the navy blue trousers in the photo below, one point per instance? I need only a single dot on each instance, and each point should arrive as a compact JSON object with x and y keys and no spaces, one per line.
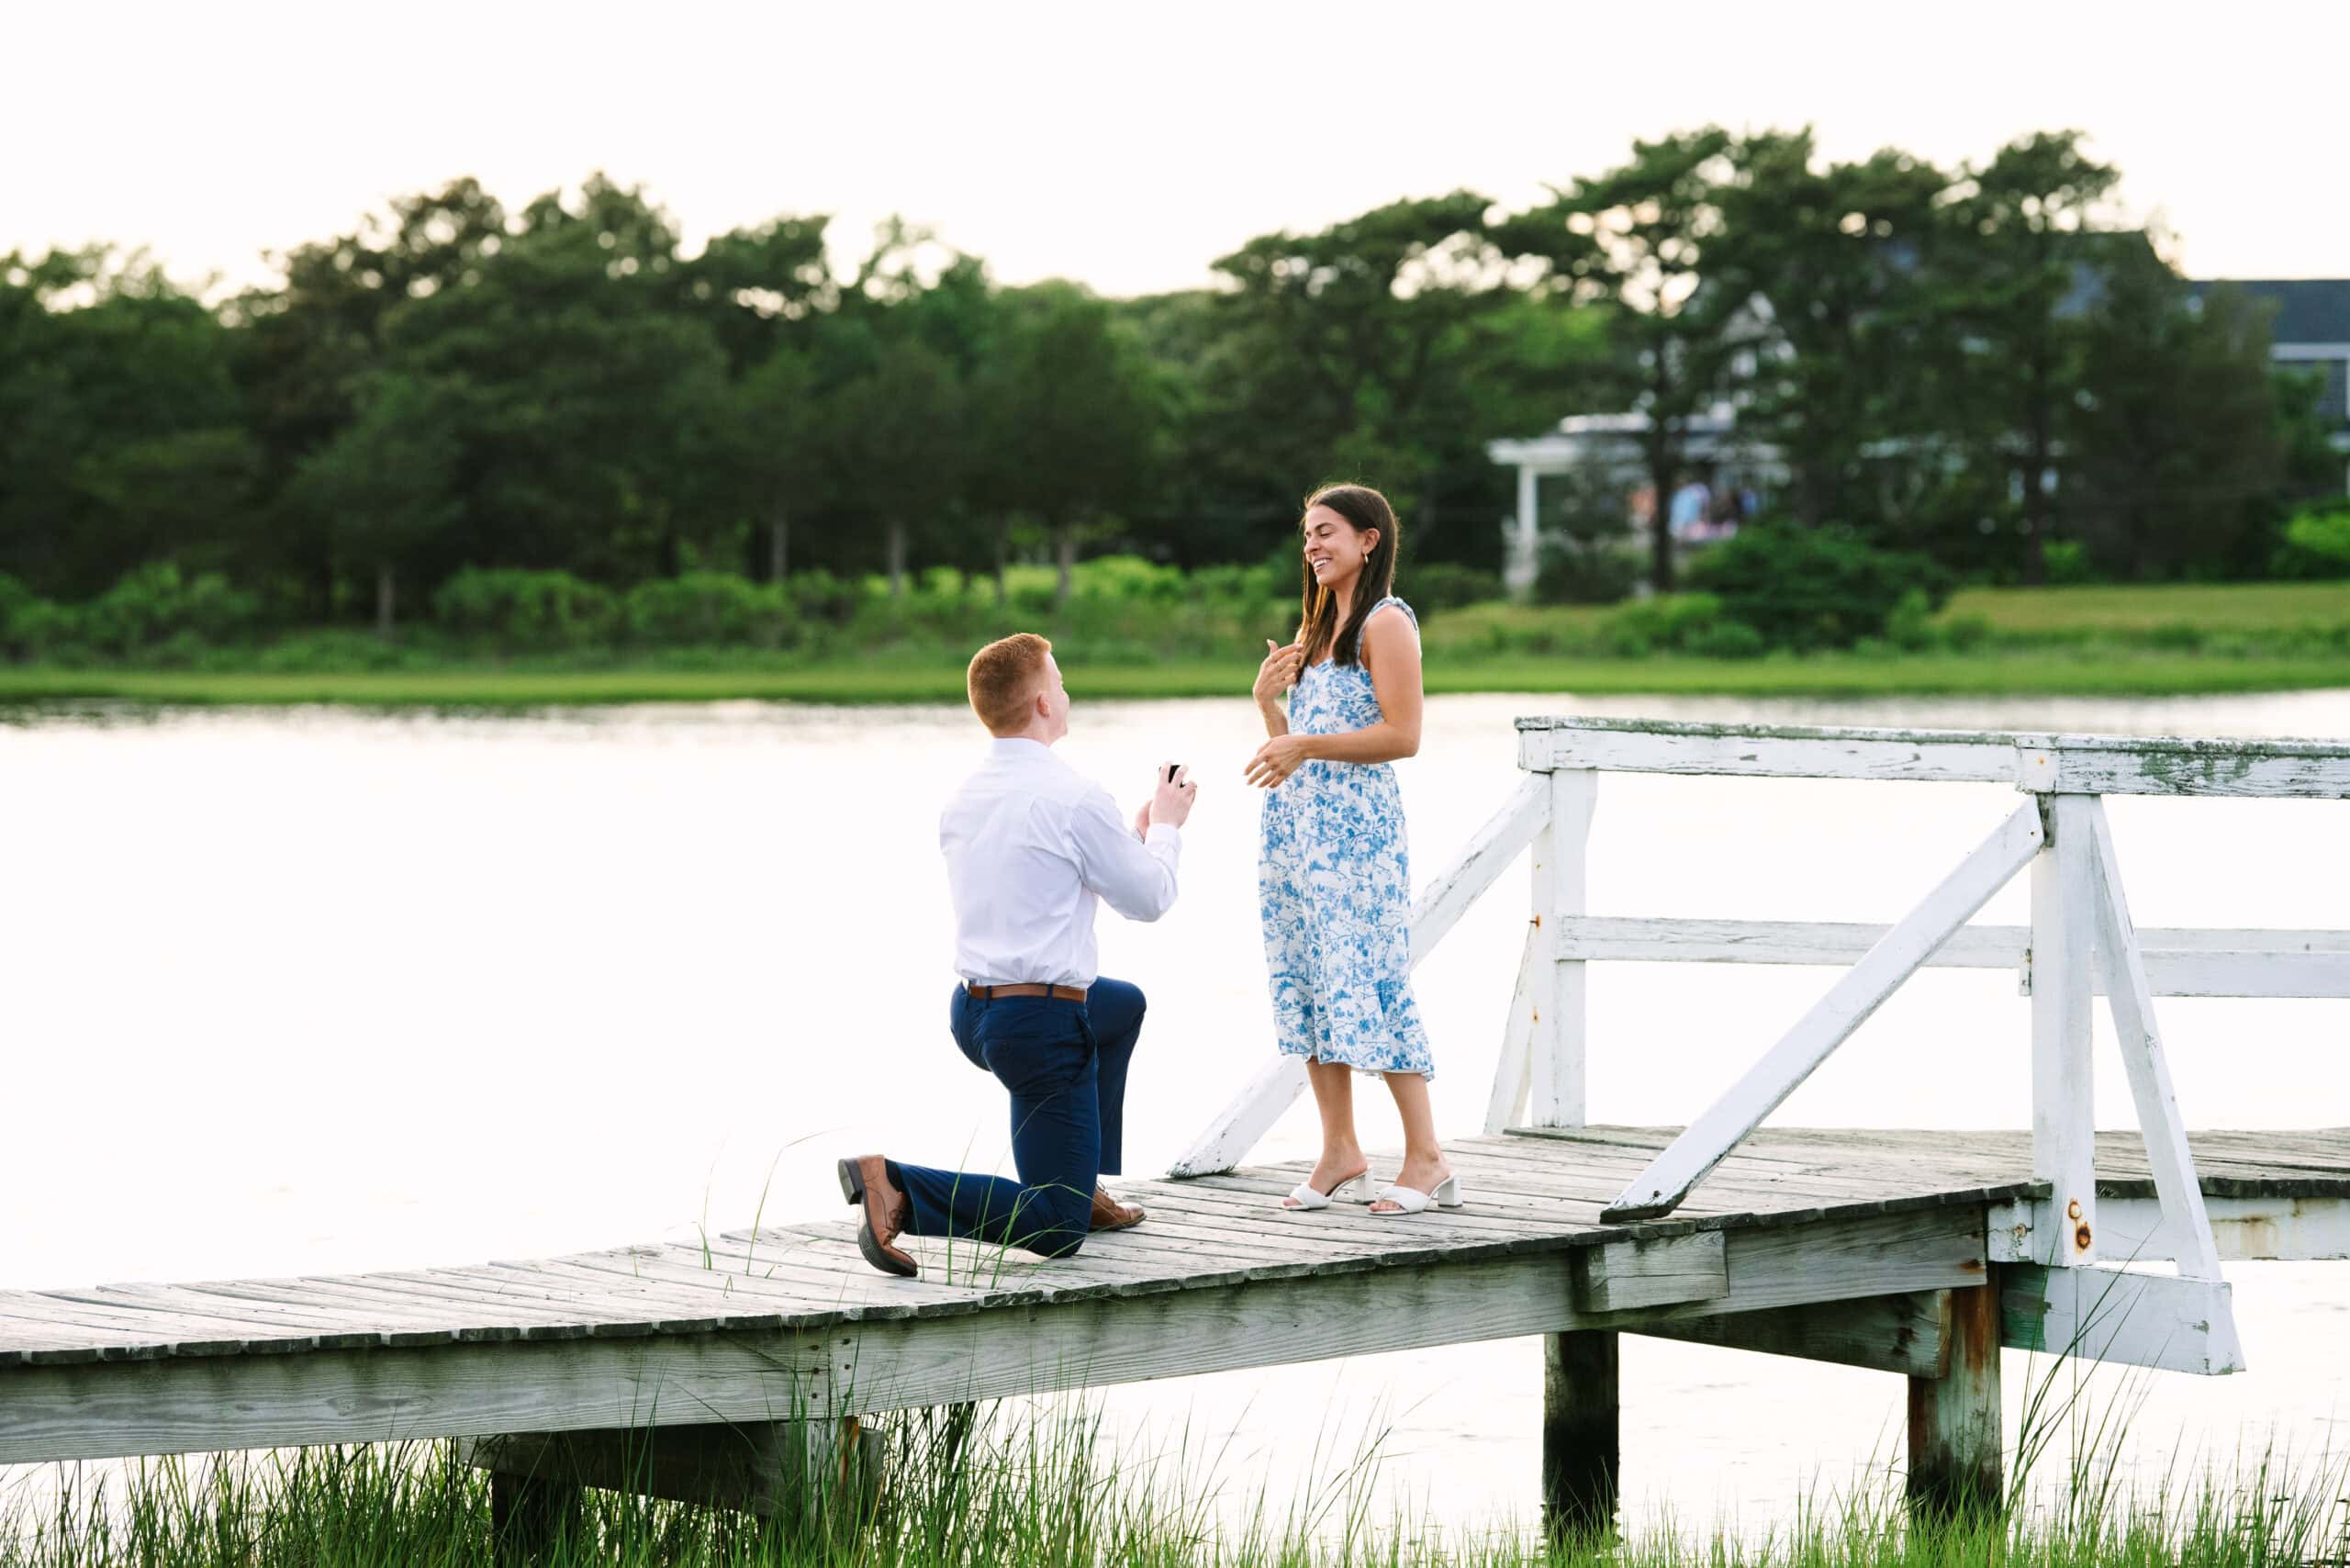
{"x":1065,"y":1065}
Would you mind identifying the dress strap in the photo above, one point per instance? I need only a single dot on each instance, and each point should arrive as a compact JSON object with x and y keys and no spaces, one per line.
{"x":1375,"y":609}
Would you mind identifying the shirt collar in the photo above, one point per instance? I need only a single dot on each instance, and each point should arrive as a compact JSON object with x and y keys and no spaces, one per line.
{"x":1013,"y":748}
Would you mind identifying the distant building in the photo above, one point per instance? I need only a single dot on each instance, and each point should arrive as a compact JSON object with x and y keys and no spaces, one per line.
{"x":2310,"y":330}
{"x":1607,"y":447}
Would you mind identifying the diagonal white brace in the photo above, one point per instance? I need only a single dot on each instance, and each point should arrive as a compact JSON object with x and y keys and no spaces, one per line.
{"x":1660,"y":1189}
{"x":2142,"y":1057}
{"x":1514,"y":1074}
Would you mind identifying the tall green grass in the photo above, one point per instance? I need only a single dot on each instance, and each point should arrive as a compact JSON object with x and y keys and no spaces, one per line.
{"x":1044,"y":1486}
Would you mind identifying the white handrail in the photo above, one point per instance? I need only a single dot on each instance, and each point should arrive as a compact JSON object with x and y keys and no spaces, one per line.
{"x":2086,"y":943}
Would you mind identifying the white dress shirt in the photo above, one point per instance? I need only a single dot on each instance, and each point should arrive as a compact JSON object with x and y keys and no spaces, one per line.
{"x":1031,"y":844}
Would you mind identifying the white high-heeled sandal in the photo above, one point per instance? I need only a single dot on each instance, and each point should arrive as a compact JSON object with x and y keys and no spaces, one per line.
{"x":1412,"y":1201}
{"x":1355,"y":1189}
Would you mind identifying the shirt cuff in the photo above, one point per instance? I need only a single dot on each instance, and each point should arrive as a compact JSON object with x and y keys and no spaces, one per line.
{"x":1167,"y":829}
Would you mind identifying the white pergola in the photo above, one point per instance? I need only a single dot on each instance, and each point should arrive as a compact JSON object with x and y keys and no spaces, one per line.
{"x":1609,"y":442}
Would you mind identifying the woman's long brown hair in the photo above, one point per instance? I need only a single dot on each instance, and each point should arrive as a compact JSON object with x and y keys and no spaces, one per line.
{"x":1363,"y":508}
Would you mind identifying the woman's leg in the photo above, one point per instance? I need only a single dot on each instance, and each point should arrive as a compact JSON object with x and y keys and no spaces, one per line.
{"x":1334,"y":1097}
{"x":1424,"y":1162}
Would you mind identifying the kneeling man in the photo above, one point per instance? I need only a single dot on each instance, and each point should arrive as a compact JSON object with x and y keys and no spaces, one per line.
{"x":1031,"y":847}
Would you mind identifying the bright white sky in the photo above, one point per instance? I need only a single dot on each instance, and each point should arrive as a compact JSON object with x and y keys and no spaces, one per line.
{"x":1125,"y":146}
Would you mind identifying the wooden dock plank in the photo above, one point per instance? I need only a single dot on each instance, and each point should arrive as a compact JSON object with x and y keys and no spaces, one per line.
{"x":1533,"y":1200}
{"x":69,"y":1411}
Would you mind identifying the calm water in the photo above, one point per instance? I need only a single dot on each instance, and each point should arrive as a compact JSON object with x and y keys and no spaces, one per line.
{"x":311,"y":991}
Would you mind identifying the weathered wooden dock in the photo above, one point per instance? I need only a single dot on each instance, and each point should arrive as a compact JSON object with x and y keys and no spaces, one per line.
{"x":675,"y":1369}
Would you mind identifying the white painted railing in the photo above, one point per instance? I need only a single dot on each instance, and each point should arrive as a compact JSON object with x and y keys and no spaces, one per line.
{"x":2081,"y":943}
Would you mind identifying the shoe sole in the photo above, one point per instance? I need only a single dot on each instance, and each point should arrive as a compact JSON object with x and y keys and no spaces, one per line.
{"x":852,"y":1189}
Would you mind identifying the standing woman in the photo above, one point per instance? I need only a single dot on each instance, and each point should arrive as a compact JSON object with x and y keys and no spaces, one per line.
{"x":1333,"y":876}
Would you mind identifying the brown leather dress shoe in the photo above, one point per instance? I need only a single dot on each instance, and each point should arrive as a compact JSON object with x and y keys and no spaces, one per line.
{"x":865,"y":1180}
{"x":1110,"y":1215}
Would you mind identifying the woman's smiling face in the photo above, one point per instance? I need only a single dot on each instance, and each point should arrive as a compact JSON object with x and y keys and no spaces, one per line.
{"x":1333,"y":548}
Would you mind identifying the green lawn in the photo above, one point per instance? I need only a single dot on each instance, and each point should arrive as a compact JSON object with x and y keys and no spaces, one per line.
{"x":2084,"y":641}
{"x":2213,"y":607}
{"x":1977,"y":674}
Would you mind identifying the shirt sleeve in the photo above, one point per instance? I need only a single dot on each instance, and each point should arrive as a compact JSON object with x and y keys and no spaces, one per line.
{"x":1135,"y":878}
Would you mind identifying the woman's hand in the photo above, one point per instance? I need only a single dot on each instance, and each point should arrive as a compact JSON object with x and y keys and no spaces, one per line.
{"x":1276,"y":761}
{"x":1276,"y":673}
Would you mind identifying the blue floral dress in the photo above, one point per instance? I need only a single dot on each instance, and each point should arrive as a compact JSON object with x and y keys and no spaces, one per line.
{"x":1334,"y":884}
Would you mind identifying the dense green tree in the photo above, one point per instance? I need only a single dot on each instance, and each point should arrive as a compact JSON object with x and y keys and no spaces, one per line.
{"x":1071,"y":420}
{"x":896,"y":437}
{"x":1835,"y":255}
{"x":1638,"y":237}
{"x":2176,"y":457}
{"x":306,"y":347}
{"x":591,"y":413}
{"x":122,"y":438}
{"x":758,"y":287}
{"x":2014,"y":270}
{"x":775,"y":449}
{"x":1365,"y":351}
{"x":384,"y":489}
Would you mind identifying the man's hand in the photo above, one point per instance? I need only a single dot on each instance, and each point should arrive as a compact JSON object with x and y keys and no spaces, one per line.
{"x":1171,"y":802}
{"x":1142,"y":820}
{"x":1276,"y":673}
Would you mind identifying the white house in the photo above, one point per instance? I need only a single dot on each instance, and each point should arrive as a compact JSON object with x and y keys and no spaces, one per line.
{"x":2310,"y":329}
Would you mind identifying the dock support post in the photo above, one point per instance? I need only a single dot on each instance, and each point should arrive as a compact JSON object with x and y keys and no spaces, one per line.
{"x":1954,"y":1432}
{"x":529,"y":1514}
{"x":1580,"y":1408}
{"x":810,"y":1475}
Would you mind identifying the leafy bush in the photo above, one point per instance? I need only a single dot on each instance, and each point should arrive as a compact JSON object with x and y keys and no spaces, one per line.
{"x":536,"y":611}
{"x":155,"y":606}
{"x":1911,"y":624}
{"x":1126,"y":577}
{"x":338,"y":650}
{"x":2065,"y":561}
{"x":818,"y":595}
{"x":15,"y":601}
{"x":1669,"y":623}
{"x":1445,"y":585}
{"x":2317,"y":545}
{"x":1586,"y":575}
{"x":1724,"y":639}
{"x":1816,"y":588}
{"x":707,"y":609}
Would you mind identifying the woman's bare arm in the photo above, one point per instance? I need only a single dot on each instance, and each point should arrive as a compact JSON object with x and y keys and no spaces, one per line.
{"x":1392,"y":653}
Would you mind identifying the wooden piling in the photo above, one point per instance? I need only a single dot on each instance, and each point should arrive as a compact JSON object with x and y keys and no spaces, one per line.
{"x":1954,"y":1469}
{"x":530,"y":1513}
{"x":1580,"y":1442}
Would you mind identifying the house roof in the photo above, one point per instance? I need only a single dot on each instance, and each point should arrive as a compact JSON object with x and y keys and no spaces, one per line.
{"x":2309,"y":309}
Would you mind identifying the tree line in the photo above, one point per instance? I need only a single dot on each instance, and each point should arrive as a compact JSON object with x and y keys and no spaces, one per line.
{"x":1964,"y":363}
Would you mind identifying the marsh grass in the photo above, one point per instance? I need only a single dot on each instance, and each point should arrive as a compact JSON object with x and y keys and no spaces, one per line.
{"x":1043,"y":1483}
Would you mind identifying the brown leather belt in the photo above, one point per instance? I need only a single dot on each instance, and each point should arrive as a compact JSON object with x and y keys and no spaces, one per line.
{"x":990,"y":993}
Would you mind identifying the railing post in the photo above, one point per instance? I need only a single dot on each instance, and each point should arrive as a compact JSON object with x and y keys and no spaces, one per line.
{"x":1557,"y":996}
{"x":2064,"y":1125}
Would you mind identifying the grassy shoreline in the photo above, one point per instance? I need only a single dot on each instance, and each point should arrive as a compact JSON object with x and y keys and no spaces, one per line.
{"x":1056,"y":1497}
{"x":2089,"y":640}
{"x":1990,"y":673}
